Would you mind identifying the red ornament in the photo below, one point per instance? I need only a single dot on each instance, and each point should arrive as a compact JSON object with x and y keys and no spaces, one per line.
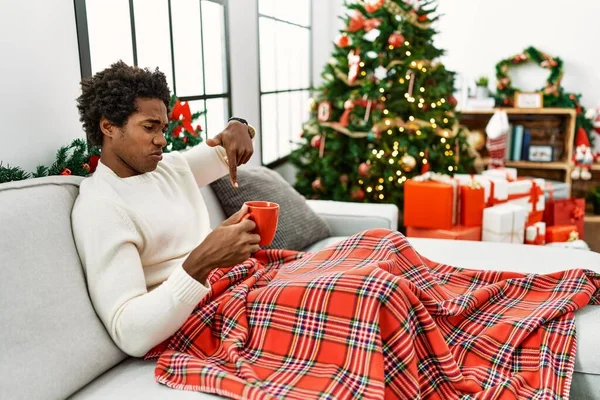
{"x":343,"y":179}
{"x":357,"y":21}
{"x":316,"y":185}
{"x":357,"y":194}
{"x":198,"y":128}
{"x":396,"y":39}
{"x":425,"y":166}
{"x":94,"y":162}
{"x":315,"y":142}
{"x":452,"y":101}
{"x":66,"y":171}
{"x":343,"y":40}
{"x":86,"y":167}
{"x":372,"y":23}
{"x":363,"y":169}
{"x":423,"y":18}
{"x":373,"y":5}
{"x":185,"y":139}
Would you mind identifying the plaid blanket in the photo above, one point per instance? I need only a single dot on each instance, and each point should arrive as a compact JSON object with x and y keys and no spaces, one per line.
{"x":370,"y":318}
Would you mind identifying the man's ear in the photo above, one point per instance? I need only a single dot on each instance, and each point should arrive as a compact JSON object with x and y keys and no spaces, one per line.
{"x":107,"y":127}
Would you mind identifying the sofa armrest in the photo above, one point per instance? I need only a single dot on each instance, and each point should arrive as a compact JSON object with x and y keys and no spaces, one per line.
{"x":346,"y":219}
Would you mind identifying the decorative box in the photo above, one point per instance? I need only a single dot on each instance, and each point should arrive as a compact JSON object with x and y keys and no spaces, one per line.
{"x":536,"y":234}
{"x":555,"y":190}
{"x":457,"y":232}
{"x":504,"y":223}
{"x":495,"y":190}
{"x":430,"y":201}
{"x":509,"y":174}
{"x":472,"y":203}
{"x":566,"y":212}
{"x":561,"y":233}
{"x":529,"y":194}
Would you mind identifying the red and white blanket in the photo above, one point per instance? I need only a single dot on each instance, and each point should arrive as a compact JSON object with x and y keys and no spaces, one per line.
{"x":370,"y":318}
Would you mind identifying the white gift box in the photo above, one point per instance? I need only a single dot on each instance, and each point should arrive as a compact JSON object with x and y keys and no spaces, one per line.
{"x":523,"y":190}
{"x":504,"y":223}
{"x":501,"y":173}
{"x":536,"y":233}
{"x":489,"y":184}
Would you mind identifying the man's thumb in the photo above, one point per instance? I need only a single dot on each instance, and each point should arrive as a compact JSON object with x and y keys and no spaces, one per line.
{"x":237,"y":217}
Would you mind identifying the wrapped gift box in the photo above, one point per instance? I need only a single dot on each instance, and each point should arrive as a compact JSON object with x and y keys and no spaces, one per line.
{"x":566,"y":212}
{"x":495,"y":190}
{"x":536,"y":234}
{"x":504,"y":223}
{"x":430,"y":201}
{"x":529,"y":194}
{"x":472,"y":203}
{"x":509,"y":174}
{"x":561,"y":233}
{"x":555,"y":190}
{"x":457,"y":232}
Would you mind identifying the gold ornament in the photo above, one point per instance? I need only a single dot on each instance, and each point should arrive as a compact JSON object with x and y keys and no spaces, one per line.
{"x":312,"y":104}
{"x":408,"y":162}
{"x":476,"y":140}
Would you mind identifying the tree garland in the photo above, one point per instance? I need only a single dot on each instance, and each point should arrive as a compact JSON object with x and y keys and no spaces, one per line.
{"x":553,"y":93}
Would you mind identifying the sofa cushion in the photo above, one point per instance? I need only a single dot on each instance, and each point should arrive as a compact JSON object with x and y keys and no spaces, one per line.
{"x":298,"y":227}
{"x":50,"y":336}
{"x":134,"y":379}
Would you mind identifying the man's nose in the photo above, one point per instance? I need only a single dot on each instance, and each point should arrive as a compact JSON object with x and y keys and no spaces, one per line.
{"x":160,"y":140}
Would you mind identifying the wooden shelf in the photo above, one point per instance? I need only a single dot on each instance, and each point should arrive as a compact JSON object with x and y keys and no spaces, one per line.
{"x":591,"y":218}
{"x":561,"y":111}
{"x":538,"y":165}
{"x":533,"y":165}
{"x":596,"y":167}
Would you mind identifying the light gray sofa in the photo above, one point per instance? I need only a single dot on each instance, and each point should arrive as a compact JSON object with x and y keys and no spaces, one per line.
{"x":53,"y":346}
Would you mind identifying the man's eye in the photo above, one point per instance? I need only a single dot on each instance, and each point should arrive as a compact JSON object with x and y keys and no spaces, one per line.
{"x":148,"y":128}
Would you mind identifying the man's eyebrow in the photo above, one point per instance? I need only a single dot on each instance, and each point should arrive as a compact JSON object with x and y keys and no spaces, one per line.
{"x":154,"y":121}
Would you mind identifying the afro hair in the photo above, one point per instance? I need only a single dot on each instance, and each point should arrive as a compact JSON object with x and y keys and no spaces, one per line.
{"x":112,"y":94}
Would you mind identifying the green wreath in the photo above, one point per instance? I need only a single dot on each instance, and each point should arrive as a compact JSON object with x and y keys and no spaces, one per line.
{"x":553,"y":93}
{"x":506,"y":92}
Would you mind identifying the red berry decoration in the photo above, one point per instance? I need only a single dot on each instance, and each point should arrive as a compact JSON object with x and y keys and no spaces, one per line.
{"x":396,"y":39}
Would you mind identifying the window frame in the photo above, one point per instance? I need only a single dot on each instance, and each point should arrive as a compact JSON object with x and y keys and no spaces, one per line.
{"x":85,"y":61}
{"x":310,"y":88}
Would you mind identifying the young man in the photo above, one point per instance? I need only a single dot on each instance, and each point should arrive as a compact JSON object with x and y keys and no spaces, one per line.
{"x":140,"y":224}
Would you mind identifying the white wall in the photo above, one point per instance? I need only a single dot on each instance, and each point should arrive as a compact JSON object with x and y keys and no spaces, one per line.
{"x":39,"y":80}
{"x":477,"y":34}
{"x":39,"y":73}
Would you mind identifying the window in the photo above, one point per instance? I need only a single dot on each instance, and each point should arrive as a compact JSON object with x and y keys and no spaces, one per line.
{"x":180,"y":37}
{"x":284,"y":29}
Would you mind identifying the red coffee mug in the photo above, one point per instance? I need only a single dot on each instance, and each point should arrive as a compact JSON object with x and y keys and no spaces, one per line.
{"x":265,"y":215}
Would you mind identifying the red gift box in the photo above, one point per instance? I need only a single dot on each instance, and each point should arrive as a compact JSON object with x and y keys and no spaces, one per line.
{"x":457,"y":232}
{"x":566,"y":212}
{"x":536,"y":234}
{"x":430,"y":203}
{"x":561,"y":233}
{"x":472,"y":203}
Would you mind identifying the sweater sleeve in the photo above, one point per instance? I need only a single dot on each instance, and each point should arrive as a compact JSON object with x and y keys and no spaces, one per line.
{"x":136,"y":319}
{"x":207,"y":163}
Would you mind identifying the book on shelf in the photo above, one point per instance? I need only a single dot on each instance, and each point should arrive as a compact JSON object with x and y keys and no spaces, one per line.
{"x":525,"y":145}
{"x":517,"y":143}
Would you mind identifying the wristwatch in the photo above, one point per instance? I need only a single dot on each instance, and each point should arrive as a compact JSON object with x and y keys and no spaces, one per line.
{"x":251,"y":130}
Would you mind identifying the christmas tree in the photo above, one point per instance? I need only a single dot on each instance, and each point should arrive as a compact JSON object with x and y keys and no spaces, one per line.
{"x":385,"y":111}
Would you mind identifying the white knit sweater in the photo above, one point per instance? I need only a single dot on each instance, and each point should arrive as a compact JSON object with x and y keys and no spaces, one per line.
{"x":133,"y":234}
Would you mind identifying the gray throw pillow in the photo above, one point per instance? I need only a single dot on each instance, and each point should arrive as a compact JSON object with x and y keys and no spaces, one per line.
{"x":298,"y":227}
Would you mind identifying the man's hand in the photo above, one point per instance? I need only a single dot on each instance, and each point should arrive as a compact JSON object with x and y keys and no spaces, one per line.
{"x":238,"y":146}
{"x":229,"y":244}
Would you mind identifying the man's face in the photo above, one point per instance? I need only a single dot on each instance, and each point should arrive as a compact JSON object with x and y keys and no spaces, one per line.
{"x":140,"y":141}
